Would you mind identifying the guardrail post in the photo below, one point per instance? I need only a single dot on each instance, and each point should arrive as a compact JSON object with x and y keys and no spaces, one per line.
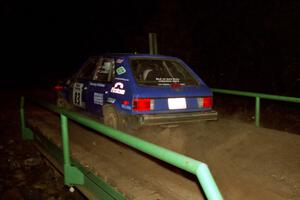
{"x":72,"y":175}
{"x":207,"y":182}
{"x":27,"y":133}
{"x":257,"y":111}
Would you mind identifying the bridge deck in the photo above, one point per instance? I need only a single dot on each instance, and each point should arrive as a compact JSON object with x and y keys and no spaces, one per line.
{"x":246,"y":162}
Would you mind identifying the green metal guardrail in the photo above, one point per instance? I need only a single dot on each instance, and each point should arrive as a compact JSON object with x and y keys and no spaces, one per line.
{"x":74,"y":176}
{"x":257,"y":97}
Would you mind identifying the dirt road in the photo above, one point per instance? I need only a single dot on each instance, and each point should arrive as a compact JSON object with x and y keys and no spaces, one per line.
{"x":246,"y":162}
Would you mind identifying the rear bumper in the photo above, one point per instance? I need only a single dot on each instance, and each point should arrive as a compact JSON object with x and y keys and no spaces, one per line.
{"x":176,"y":118}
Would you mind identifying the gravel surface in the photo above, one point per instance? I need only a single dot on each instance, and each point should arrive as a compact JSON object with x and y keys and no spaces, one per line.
{"x":247,"y":162}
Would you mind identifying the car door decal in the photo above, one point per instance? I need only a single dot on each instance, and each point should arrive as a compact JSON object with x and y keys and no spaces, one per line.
{"x":118,"y":88}
{"x":120,"y":70}
{"x":98,"y":98}
{"x":77,"y":94}
{"x":97,"y":84}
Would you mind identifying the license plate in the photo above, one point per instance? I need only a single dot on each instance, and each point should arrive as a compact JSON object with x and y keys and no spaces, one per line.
{"x":176,"y":103}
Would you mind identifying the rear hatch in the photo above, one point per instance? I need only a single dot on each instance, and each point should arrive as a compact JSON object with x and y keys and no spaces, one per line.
{"x":167,"y":85}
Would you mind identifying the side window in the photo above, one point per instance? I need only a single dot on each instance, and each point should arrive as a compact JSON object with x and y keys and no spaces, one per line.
{"x":88,"y":69}
{"x":105,"y":70}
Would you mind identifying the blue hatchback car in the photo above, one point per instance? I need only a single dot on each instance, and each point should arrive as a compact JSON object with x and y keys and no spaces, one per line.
{"x":130,"y":90}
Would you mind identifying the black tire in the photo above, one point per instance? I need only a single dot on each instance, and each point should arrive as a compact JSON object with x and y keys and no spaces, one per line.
{"x":112,"y":118}
{"x":61,"y":102}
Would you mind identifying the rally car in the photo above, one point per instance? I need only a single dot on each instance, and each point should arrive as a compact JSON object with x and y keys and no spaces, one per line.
{"x":130,"y":90}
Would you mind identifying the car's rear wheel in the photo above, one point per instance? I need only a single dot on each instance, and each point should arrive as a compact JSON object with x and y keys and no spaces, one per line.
{"x":112,"y":118}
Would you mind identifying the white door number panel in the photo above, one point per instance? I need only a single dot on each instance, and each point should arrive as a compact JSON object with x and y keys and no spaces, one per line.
{"x":176,"y":103}
{"x":77,"y":94}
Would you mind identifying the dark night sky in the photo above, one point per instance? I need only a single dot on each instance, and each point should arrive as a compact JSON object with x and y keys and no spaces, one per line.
{"x":249,"y":45}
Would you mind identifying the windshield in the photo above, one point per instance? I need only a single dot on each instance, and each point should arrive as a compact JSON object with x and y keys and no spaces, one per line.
{"x":157,"y":72}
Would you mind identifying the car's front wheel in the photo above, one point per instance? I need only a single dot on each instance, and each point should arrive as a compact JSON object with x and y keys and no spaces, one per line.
{"x":61,"y":102}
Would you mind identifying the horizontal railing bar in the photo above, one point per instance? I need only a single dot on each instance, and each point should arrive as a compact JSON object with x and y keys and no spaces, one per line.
{"x":260,"y":95}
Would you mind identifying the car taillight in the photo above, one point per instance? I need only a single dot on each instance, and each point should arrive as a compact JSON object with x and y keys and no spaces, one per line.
{"x":205,"y":102}
{"x":143,"y":104}
{"x":58,"y":88}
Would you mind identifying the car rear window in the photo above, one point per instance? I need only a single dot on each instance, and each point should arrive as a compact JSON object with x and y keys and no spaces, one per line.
{"x":160,"y":72}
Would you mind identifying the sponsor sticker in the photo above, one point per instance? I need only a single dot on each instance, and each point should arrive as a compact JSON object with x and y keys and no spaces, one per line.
{"x":119,"y":60}
{"x":97,"y":84}
{"x":120,"y":70}
{"x":168,"y":80}
{"x":98,"y":98}
{"x":111,"y":100}
{"x":118,"y":88}
{"x":122,"y":79}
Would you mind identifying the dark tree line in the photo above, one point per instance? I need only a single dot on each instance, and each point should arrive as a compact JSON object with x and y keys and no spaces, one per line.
{"x":247,"y":45}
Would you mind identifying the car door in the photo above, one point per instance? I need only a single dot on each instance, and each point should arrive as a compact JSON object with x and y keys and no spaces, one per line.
{"x":100,"y":84}
{"x":81,"y":84}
